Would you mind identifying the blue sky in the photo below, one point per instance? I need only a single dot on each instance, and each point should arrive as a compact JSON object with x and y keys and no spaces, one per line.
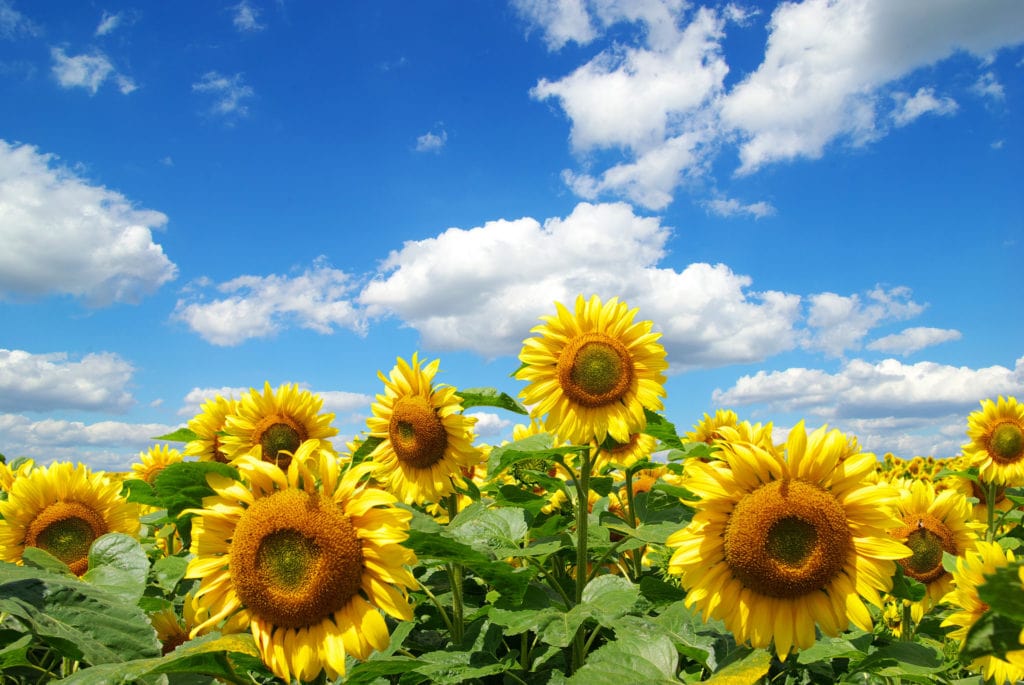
{"x":817,"y":203}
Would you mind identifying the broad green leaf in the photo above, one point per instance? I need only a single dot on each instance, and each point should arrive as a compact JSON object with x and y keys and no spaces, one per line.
{"x":562,"y":627}
{"x":205,"y":655}
{"x":509,"y":456}
{"x":34,"y":557}
{"x":904,"y":587}
{"x":681,"y":624}
{"x":118,"y":564}
{"x":516,"y":622}
{"x":1002,"y":591}
{"x":828,"y":648}
{"x":531,"y":443}
{"x":500,"y":531}
{"x":490,"y":397}
{"x":609,"y":597}
{"x":513,"y":495}
{"x":994,"y":634}
{"x":627,"y":660}
{"x":79,"y":620}
{"x":183,"y":485}
{"x":663,"y":429}
{"x":658,"y":592}
{"x":141,"y":492}
{"x":167,"y":572}
{"x":747,"y":671}
{"x":508,"y":581}
{"x":901,"y":659}
{"x":365,"y":449}
{"x":16,"y":653}
{"x":181,"y":435}
{"x":369,"y":672}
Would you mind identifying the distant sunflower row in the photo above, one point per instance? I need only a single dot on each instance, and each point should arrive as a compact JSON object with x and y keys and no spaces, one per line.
{"x":304,"y":549}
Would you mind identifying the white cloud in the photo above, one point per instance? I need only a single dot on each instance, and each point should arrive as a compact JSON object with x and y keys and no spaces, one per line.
{"x":87,"y":71}
{"x":46,"y":382}
{"x":109,"y":445}
{"x":892,"y":406}
{"x":109,"y":22}
{"x":509,"y":273}
{"x":560,"y":20}
{"x":489,"y":426}
{"x":729,"y":207}
{"x":989,"y":86}
{"x":195,"y":398}
{"x":911,"y":340}
{"x":910,"y":107}
{"x":230,"y":92}
{"x":826,"y":59}
{"x":246,"y":17}
{"x":740,"y":15}
{"x":13,"y":23}
{"x":431,"y":142}
{"x":259,"y":306}
{"x":62,"y":235}
{"x":839,"y":323}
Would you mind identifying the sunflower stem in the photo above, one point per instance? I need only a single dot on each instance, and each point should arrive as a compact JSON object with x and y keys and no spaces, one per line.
{"x":582,"y":483}
{"x":906,"y":624}
{"x":635,"y":554}
{"x":455,"y":575}
{"x":990,"y":504}
{"x":440,"y":608}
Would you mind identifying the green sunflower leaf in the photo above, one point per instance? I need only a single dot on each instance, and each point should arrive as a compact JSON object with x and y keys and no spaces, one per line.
{"x":118,"y":564}
{"x":905,"y":587}
{"x":167,"y":572}
{"x":662,"y":429}
{"x":181,"y":435}
{"x":745,"y":671}
{"x":490,"y":397}
{"x":653,"y":661}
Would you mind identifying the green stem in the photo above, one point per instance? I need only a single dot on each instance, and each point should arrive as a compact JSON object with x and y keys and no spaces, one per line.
{"x":990,"y":503}
{"x":455,"y":576}
{"x":440,"y":608}
{"x":636,"y":554}
{"x":906,"y":624}
{"x":582,"y":483}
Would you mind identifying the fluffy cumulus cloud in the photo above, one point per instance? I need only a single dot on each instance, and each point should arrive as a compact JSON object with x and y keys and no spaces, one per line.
{"x":910,"y":340}
{"x":246,"y":18}
{"x":229,"y":93}
{"x":47,"y":382}
{"x":318,"y":299}
{"x":431,"y":142}
{"x":107,"y":445}
{"x":826,"y":60}
{"x":839,"y":322}
{"x":730,"y":207}
{"x":880,"y":400}
{"x":64,"y":235}
{"x":707,"y":313}
{"x":829,"y":73}
{"x":489,"y":427}
{"x":88,"y":71}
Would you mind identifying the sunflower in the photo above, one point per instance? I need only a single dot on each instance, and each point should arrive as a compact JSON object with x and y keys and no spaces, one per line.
{"x":997,"y":441}
{"x":271,"y":425}
{"x":425,"y":438}
{"x":153,"y":461}
{"x":781,"y":543}
{"x":970,"y":572}
{"x":971,"y":488}
{"x":304,"y":559}
{"x":208,"y":425}
{"x":592,"y":374}
{"x":933,"y":523}
{"x":9,"y":475}
{"x":706,"y":430}
{"x":622,"y":454}
{"x":62,"y":509}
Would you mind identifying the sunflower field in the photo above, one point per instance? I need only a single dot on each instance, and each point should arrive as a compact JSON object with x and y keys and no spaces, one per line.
{"x":602,"y":545}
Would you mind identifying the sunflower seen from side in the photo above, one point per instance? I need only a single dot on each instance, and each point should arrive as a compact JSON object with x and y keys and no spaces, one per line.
{"x":781,"y":543}
{"x":968,"y":607}
{"x":425,"y":440}
{"x":303,"y":558}
{"x":933,"y":523}
{"x":62,"y":509}
{"x":153,"y":461}
{"x":208,"y":425}
{"x":997,"y":441}
{"x":592,"y":373}
{"x":271,"y":425}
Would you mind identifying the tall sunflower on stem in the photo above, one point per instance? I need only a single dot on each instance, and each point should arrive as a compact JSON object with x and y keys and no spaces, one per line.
{"x":271,"y":425}
{"x":62,"y":509}
{"x":780,"y":544}
{"x":303,"y":558}
{"x":425,"y":439}
{"x":592,"y":373}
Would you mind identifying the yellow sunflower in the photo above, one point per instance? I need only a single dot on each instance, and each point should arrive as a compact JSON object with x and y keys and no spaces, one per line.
{"x":706,"y":430}
{"x":271,"y":425}
{"x":781,"y":543}
{"x":153,"y":461}
{"x":425,"y":439}
{"x":622,"y":454}
{"x":208,"y":425}
{"x":62,"y":509}
{"x":933,"y":523}
{"x":591,"y":374}
{"x":8,"y":475}
{"x":304,"y":558}
{"x":970,"y":572}
{"x":979,"y":491}
{"x":997,"y":441}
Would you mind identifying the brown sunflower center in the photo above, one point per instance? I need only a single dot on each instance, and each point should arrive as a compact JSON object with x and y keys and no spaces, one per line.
{"x":595,"y":370}
{"x":279,"y":433}
{"x":416,"y":432}
{"x":1007,"y":443}
{"x":927,"y":537}
{"x":67,"y":530}
{"x":295,"y":559}
{"x":787,"y":539}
